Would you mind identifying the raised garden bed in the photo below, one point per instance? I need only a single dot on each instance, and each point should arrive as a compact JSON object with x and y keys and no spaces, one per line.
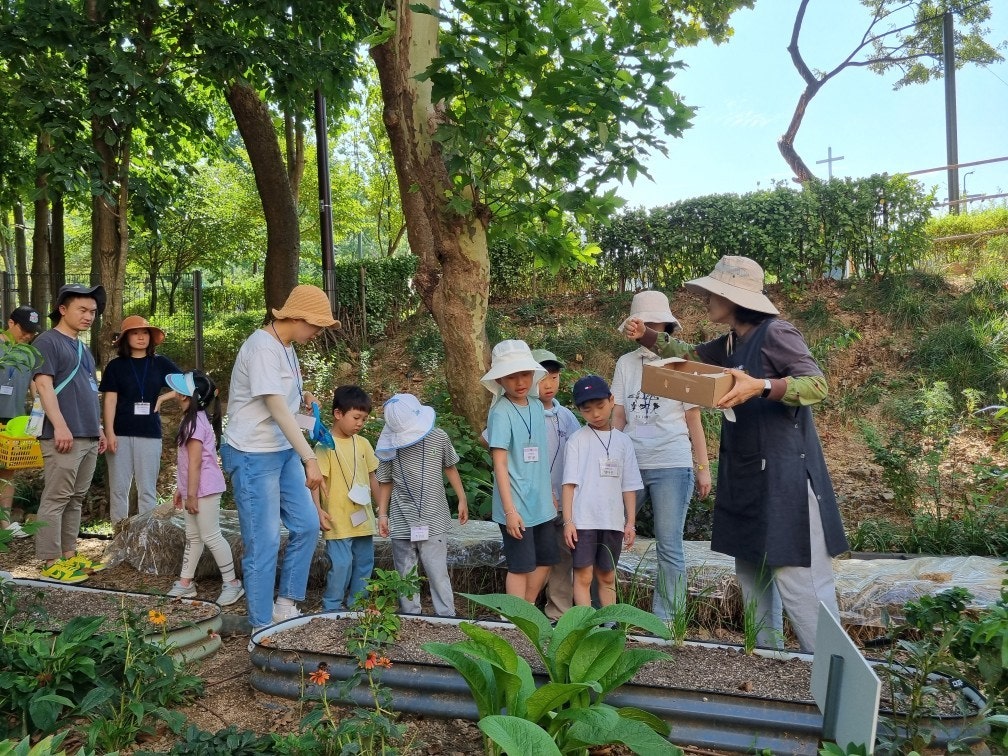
{"x":711,"y":696}
{"x":191,"y":627}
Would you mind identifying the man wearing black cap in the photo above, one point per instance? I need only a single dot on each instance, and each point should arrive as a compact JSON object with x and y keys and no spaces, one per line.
{"x":22,"y":325}
{"x":71,"y":436}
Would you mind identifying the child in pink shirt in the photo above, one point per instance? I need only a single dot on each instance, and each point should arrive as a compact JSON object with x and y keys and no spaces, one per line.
{"x":200,"y":485}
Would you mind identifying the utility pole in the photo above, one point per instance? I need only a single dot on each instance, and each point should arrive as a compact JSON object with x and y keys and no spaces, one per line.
{"x":829,"y":162}
{"x":951,"y":127}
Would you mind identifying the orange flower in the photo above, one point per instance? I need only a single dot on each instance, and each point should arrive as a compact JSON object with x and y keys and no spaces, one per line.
{"x":320,"y":675}
{"x":372,"y":659}
{"x":156,"y":618}
{"x":384,"y":661}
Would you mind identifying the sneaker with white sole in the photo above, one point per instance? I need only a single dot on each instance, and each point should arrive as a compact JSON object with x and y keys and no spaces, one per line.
{"x":283,"y":612}
{"x":230,"y":593}
{"x":182,"y":591}
{"x":16,"y":530}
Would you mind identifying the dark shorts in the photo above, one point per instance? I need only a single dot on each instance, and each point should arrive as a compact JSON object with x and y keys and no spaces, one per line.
{"x":537,"y":548}
{"x":600,"y":548}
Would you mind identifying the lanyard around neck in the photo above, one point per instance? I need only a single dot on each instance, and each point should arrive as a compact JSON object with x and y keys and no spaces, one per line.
{"x":295,"y":368}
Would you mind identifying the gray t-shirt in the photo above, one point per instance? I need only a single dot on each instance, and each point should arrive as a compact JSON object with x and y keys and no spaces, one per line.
{"x":78,"y":401}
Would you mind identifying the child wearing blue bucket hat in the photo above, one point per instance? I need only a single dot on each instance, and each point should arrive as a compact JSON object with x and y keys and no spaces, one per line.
{"x":200,"y":485}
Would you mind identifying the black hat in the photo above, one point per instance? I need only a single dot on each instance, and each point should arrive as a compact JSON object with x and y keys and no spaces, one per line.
{"x":26,"y":317}
{"x":78,"y":290}
{"x":590,"y":387}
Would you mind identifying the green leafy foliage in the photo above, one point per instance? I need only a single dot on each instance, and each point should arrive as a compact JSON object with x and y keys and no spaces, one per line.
{"x":585,"y":657}
{"x":47,"y":746}
{"x":230,"y":740}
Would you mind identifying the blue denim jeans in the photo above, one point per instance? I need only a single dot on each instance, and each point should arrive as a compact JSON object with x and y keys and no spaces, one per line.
{"x":352,"y":562}
{"x":269,"y":489}
{"x":669,"y":490}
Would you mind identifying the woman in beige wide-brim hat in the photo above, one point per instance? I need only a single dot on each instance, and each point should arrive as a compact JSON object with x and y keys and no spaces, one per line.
{"x":270,"y":463}
{"x":775,"y":510}
{"x":671,"y":451}
{"x":131,"y":386}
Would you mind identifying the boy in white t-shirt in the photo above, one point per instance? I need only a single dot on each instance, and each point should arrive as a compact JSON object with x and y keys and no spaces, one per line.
{"x":599,"y":493}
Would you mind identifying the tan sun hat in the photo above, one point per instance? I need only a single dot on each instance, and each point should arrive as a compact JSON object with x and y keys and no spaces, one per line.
{"x":651,"y":307}
{"x":739,"y":280}
{"x":509,"y":357}
{"x":138,"y":323}
{"x":307,"y":303}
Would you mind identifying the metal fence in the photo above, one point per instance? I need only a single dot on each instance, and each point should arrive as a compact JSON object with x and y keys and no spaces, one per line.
{"x":175,"y":308}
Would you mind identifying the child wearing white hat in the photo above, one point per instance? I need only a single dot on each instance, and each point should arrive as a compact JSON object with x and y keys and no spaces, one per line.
{"x":413,"y":454}
{"x":522,"y":493}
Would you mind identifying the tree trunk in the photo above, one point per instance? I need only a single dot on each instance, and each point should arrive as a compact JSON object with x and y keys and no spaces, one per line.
{"x":453,"y":274}
{"x":283,"y":239}
{"x":57,"y":241}
{"x":786,"y":143}
{"x":40,"y":236}
{"x":21,"y":254}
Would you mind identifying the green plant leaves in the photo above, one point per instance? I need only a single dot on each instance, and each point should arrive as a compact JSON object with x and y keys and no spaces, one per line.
{"x":518,"y":736}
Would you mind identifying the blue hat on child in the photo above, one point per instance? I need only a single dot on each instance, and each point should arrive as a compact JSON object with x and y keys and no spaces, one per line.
{"x":406,"y":423}
{"x":590,"y":387}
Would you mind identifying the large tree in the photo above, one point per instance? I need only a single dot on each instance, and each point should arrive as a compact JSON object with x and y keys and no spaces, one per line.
{"x":901,"y":34}
{"x":519,"y":114}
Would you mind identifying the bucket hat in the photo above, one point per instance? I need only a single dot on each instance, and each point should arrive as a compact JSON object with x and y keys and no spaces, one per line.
{"x":308,"y":303}
{"x":509,"y":357}
{"x":407,"y":422}
{"x":137,"y":323}
{"x":651,"y":307}
{"x":737,"y":279}
{"x":78,"y":290}
{"x":590,"y":387}
{"x":542,"y":356}
{"x":27,"y":317}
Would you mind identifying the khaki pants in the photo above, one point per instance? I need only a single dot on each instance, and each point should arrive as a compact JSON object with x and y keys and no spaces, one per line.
{"x":67,"y":480}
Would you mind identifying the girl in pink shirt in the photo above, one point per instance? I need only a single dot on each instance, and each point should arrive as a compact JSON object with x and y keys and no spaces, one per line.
{"x":200,"y":485}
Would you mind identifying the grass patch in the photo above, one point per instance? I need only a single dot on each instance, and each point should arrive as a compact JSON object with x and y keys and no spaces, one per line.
{"x":970,"y":354}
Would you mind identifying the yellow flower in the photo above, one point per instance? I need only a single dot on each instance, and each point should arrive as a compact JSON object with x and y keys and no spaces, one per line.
{"x":156,"y":618}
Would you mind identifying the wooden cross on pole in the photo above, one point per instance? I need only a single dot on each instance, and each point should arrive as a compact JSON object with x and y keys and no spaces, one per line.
{"x":829,"y":161}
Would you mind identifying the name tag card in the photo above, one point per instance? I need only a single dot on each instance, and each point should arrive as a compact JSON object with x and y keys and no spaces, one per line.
{"x":6,"y":390}
{"x":358,"y":517}
{"x":531,"y":453}
{"x":609,"y":468}
{"x":419,"y":533}
{"x":141,"y":408}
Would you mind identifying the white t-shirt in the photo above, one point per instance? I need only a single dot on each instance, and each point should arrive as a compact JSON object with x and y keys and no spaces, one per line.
{"x":262,"y":368}
{"x":561,"y":424}
{"x":656,"y":425}
{"x":598,"y":498}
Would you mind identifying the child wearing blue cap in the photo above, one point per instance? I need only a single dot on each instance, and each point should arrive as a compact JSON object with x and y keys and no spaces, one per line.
{"x":599,"y":498}
{"x":200,"y":485}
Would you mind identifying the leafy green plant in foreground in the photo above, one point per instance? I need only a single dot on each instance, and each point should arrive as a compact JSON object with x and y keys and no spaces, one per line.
{"x":585,"y":660}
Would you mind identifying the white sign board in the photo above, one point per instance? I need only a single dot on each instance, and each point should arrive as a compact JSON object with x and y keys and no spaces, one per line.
{"x":850,"y":700}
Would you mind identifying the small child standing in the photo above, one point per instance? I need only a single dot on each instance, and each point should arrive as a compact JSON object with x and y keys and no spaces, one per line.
{"x":561,"y":424}
{"x":599,"y":500}
{"x":347,"y":519}
{"x":412,"y":506}
{"x":200,"y":484}
{"x":522,"y":502}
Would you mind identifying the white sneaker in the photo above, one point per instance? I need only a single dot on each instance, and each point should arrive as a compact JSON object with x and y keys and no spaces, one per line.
{"x":16,"y":530}
{"x":283,"y":612}
{"x":230,"y":593}
{"x":182,"y":591}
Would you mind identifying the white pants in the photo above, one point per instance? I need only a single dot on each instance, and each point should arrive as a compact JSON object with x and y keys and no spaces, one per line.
{"x":797,"y":590}
{"x":433,"y":555}
{"x":136,"y":458}
{"x":203,"y":529}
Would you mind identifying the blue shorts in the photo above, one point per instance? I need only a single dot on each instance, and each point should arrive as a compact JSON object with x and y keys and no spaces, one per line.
{"x":536,"y":548}
{"x":600,"y":548}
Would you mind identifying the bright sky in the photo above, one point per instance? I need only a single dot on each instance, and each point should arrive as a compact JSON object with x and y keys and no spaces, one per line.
{"x":746,"y":91}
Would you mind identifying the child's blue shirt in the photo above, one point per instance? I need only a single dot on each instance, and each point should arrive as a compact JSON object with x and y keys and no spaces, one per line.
{"x":515,"y":428}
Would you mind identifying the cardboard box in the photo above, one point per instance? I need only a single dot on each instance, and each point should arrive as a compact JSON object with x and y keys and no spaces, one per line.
{"x":690,"y":382}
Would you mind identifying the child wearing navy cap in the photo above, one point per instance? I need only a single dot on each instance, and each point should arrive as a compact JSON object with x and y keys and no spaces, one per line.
{"x":599,"y":497}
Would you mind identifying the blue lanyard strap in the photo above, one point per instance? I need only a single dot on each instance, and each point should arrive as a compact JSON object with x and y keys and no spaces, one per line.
{"x":339,"y":461}
{"x":141,"y":382}
{"x":528,"y":425}
{"x":423,"y":461}
{"x":295,"y":368}
{"x":604,"y":445}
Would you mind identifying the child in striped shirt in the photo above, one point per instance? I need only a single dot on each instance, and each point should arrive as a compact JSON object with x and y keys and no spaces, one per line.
{"x":413,"y":511}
